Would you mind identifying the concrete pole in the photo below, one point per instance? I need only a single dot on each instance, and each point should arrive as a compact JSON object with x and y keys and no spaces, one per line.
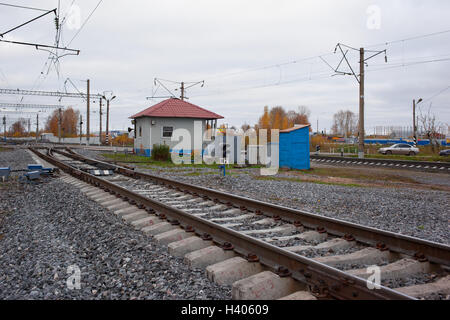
{"x":59,"y":125}
{"x":414,"y":122}
{"x":37,"y":127}
{"x":87,"y":115}
{"x":81,"y":128}
{"x":100,"y":136}
{"x":107,"y":120}
{"x":361,"y":104}
{"x":4,"y":127}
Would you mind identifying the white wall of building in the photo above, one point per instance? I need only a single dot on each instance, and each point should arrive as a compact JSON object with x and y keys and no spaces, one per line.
{"x":149,"y":131}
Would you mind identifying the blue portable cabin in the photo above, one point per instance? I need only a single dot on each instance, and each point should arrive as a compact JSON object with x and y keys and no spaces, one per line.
{"x":294,"y":148}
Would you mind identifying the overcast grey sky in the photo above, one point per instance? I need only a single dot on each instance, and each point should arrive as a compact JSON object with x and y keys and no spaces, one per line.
{"x":250,"y":53}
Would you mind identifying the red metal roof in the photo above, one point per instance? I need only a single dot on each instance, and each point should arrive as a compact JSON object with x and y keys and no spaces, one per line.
{"x":176,"y":108}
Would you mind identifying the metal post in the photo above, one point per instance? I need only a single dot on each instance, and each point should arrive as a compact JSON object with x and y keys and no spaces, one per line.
{"x":59,"y":125}
{"x":4,"y":127}
{"x":182,"y":91}
{"x":107,"y":120}
{"x":87,"y":115}
{"x":361,"y":104}
{"x":37,"y":127}
{"x":414,"y":122}
{"x":100,"y":136}
{"x":81,"y":128}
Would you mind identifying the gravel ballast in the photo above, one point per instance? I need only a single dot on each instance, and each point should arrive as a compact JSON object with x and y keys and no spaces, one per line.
{"x":47,"y":228}
{"x":418,"y":213}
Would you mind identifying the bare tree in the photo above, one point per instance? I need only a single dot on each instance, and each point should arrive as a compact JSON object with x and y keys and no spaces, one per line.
{"x":304,"y":111}
{"x":430,"y":126}
{"x":245,"y":127}
{"x":344,"y":123}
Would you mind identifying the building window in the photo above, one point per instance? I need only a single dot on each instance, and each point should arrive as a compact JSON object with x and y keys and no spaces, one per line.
{"x":140,"y":131}
{"x":167,"y":132}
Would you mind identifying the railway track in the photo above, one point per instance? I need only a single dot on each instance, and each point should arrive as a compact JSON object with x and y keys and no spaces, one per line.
{"x":443,"y":167}
{"x":264,"y":251}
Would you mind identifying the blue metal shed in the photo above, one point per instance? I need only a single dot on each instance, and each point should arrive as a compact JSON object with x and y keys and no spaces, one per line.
{"x":294,"y":148}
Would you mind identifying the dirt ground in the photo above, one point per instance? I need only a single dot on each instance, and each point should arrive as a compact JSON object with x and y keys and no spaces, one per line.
{"x":365,"y":176}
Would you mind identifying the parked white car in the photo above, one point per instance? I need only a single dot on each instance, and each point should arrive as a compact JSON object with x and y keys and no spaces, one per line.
{"x":400,"y":148}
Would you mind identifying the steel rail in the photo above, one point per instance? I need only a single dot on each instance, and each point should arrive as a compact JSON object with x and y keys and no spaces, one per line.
{"x":430,"y":164}
{"x":433,"y":251}
{"x":324,"y":281}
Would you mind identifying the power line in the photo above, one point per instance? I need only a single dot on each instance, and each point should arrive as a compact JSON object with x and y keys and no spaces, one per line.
{"x":437,"y":94}
{"x":409,"y":64}
{"x":410,"y":38}
{"x":322,"y":55}
{"x":321,"y":75}
{"x":182,"y":84}
{"x":85,"y":21}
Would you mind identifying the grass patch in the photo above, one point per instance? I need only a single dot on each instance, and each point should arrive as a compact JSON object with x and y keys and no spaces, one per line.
{"x":354,"y":174}
{"x":143,"y":161}
{"x":309,"y":181}
{"x":200,"y":173}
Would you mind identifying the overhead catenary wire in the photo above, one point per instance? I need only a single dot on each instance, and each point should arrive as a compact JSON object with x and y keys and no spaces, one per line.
{"x":85,"y":21}
{"x":321,"y":56}
{"x":436,"y":94}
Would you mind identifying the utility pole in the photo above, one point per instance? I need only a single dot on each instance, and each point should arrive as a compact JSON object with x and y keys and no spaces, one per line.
{"x":108,"y":100}
{"x":4,"y":127}
{"x":360,"y":79}
{"x":29,"y":126}
{"x":361,"y":104}
{"x":182,"y":91}
{"x":37,"y":126}
{"x":317,"y":126}
{"x":415,"y":123}
{"x":59,"y":125}
{"x":87,"y":115}
{"x":100,"y":136}
{"x":81,"y":129}
{"x":107,"y":121}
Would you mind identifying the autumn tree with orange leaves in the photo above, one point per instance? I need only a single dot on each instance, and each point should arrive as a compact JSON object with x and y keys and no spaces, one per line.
{"x":278,"y":118}
{"x":69,"y":123}
{"x":17,"y":129}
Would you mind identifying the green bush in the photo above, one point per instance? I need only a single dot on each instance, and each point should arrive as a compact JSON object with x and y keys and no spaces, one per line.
{"x":160,"y":152}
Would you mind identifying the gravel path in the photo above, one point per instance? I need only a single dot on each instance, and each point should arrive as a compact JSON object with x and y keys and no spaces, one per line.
{"x":47,"y":228}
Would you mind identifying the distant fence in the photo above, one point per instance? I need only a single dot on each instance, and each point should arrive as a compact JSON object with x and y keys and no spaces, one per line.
{"x":423,"y":142}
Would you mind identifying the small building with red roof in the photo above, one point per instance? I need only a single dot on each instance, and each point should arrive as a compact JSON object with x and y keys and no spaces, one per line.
{"x":157,"y":125}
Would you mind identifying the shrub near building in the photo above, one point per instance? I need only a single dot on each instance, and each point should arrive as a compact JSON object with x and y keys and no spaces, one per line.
{"x":160,"y":152}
